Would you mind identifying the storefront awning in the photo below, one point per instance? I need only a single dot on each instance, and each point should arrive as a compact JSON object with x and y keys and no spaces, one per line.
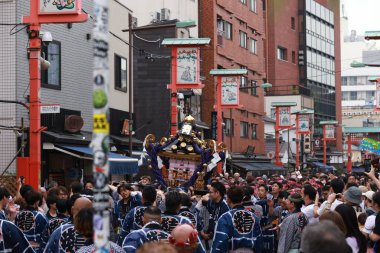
{"x":258,"y":166}
{"x":327,"y":168}
{"x":119,"y":164}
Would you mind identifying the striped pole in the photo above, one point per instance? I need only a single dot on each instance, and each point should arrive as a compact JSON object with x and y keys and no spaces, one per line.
{"x":100,"y":135}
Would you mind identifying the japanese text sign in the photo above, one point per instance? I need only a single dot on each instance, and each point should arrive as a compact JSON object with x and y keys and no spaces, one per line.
{"x":230,"y":90}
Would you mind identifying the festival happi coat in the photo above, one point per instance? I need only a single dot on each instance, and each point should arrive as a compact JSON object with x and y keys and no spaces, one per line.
{"x":185,"y":159}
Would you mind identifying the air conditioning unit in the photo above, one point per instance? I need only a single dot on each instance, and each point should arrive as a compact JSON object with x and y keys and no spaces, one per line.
{"x":155,"y":17}
{"x":165,"y":14}
{"x":134,"y":22}
{"x":301,"y":58}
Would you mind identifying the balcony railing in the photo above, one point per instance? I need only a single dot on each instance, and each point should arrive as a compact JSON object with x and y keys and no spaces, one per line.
{"x":283,"y":90}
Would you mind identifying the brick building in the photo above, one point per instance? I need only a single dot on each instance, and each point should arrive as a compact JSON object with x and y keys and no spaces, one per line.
{"x":304,"y":58}
{"x":236,"y":29}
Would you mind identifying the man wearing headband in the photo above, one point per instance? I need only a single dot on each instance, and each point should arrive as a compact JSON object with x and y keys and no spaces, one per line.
{"x":292,"y":226}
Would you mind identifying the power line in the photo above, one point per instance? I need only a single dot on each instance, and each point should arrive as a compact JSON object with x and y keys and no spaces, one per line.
{"x":11,"y":24}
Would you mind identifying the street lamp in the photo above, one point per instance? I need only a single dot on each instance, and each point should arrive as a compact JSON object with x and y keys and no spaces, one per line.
{"x":227,"y":95}
{"x":302,"y":127}
{"x":264,"y":86}
{"x":283,"y":121}
{"x":328,"y":134}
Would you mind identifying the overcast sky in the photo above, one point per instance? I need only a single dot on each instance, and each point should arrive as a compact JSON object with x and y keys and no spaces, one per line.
{"x":363,"y":15}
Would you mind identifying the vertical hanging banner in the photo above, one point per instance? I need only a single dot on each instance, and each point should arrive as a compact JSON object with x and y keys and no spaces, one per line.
{"x":230,"y":90}
{"x":188,"y":65}
{"x":303,"y":124}
{"x":329,"y":132}
{"x":284,"y":117}
{"x":100,"y":135}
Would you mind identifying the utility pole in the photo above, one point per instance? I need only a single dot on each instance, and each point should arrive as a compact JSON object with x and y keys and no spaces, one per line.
{"x":130,"y":82}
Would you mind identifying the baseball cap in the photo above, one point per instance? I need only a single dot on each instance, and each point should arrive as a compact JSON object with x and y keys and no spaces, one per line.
{"x":369,"y":195}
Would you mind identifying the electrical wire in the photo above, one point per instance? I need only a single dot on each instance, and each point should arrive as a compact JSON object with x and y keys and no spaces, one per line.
{"x":14,"y":158}
{"x":148,"y":41}
{"x":11,"y":24}
{"x":88,"y":14}
{"x":17,"y":31}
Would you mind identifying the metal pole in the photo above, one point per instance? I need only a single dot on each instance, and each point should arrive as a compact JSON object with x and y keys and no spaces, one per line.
{"x":174,"y":98}
{"x":297,"y":145}
{"x":34,"y":51}
{"x":288,"y":147}
{"x":219,"y":116}
{"x":130,"y":92}
{"x":232,"y":129}
{"x":277,"y":136}
{"x":100,"y":136}
{"x":324,"y":145}
{"x":349,"y":161}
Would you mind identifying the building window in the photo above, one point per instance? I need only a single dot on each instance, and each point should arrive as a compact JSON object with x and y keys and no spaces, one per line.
{"x":244,"y":84}
{"x":253,"y":46}
{"x":353,"y":80}
{"x":244,"y":129}
{"x":353,"y":95}
{"x":228,"y":127}
{"x":282,"y":53}
{"x":253,"y":88}
{"x":243,"y":39}
{"x":344,"y":81}
{"x":254,"y":131}
{"x":293,"y":23}
{"x":253,"y":5}
{"x":224,"y":28}
{"x":293,"y":57}
{"x":120,"y":73}
{"x":51,"y":78}
{"x":243,"y":1}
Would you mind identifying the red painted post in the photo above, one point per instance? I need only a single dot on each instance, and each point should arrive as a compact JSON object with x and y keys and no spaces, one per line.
{"x":349,"y":161}
{"x":219,"y":119}
{"x":34,"y":99}
{"x":277,"y":136}
{"x":174,"y":97}
{"x":324,"y":145}
{"x":297,"y":144}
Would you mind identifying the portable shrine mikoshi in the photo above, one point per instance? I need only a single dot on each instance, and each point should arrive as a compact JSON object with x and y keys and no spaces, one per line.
{"x":185,"y":159}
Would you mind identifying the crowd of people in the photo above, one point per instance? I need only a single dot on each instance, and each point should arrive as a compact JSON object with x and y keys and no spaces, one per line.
{"x":298,"y":213}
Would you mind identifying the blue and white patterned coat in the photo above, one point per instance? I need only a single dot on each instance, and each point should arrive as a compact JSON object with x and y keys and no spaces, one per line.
{"x":237,"y":229}
{"x":32,"y":223}
{"x":216,"y":210}
{"x":133,"y":221}
{"x":12,"y":239}
{"x":120,"y":214}
{"x":64,"y":239}
{"x":151,"y":232}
